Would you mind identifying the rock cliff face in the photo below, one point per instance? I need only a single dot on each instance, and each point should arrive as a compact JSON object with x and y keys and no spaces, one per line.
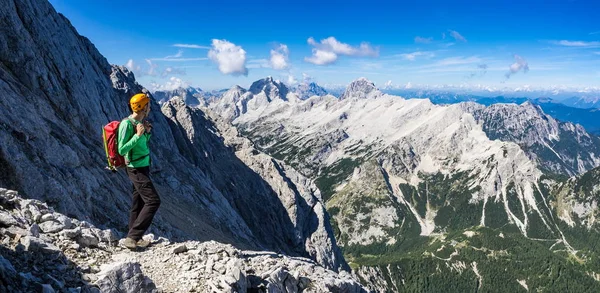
{"x":45,"y":251}
{"x":557,"y":147}
{"x":57,"y":91}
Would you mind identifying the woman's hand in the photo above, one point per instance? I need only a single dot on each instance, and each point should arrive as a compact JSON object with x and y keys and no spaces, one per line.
{"x":147,"y":126}
{"x":140,"y":129}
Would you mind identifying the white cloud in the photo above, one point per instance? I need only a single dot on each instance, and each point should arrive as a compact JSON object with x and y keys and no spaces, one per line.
{"x":172,"y":84}
{"x":291,"y":80}
{"x":230,"y":58}
{"x":422,"y":40}
{"x":320,"y":57}
{"x":413,"y":56}
{"x":172,"y":71}
{"x":140,"y":71}
{"x":279,"y":57}
{"x":458,"y":37}
{"x":597,"y":53}
{"x":131,"y":65}
{"x":190,"y":46}
{"x":595,"y":33}
{"x":520,"y":64}
{"x":177,"y":58}
{"x":152,"y":67}
{"x":327,"y":50}
{"x":332,"y":45}
{"x":178,"y":55}
{"x":306,"y":77}
{"x":567,"y":43}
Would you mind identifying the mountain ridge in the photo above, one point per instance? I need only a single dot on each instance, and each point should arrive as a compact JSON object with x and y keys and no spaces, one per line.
{"x":398,"y":174}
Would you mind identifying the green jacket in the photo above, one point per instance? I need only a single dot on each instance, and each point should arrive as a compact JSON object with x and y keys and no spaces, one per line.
{"x":132,"y":146}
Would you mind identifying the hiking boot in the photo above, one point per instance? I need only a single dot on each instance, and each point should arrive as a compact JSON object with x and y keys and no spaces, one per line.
{"x":130,"y":243}
{"x":142,"y":243}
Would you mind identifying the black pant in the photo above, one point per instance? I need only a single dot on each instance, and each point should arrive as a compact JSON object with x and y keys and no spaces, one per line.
{"x":145,"y":202}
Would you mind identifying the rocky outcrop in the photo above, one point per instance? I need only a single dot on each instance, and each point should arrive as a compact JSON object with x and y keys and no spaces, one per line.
{"x":306,"y":90}
{"x":61,"y":261}
{"x":361,"y":89}
{"x":289,"y":200}
{"x":557,"y":147}
{"x":299,"y":195}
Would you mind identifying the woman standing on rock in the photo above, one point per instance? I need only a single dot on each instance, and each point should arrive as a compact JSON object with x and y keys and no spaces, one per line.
{"x":134,"y":147}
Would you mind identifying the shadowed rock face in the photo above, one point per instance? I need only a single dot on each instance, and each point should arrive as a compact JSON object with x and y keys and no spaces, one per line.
{"x":57,"y":91}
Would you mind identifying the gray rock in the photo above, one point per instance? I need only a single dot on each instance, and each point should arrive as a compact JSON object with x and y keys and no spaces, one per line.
{"x":278,"y":275}
{"x":106,"y":236}
{"x":51,"y":226}
{"x":14,"y":231}
{"x":180,"y":249}
{"x":7,"y":271}
{"x":6,"y":266}
{"x":149,"y":237}
{"x":209,"y":266}
{"x":47,"y":288}
{"x":71,"y":233}
{"x":28,"y":277}
{"x":303,"y":283}
{"x":87,"y":239}
{"x":90,"y":277}
{"x":66,"y":221}
{"x":234,"y":272}
{"x":48,"y":217}
{"x":291,"y":284}
{"x":33,"y":244}
{"x":124,"y":277}
{"x":34,"y":230}
{"x":55,"y":282}
{"x":33,"y":213}
{"x":6,"y":219}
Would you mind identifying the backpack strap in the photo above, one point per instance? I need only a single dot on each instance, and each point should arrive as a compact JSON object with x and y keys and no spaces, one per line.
{"x":134,"y":130}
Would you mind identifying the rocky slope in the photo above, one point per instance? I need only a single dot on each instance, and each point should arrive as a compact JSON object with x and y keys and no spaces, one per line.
{"x":60,"y":91}
{"x":45,"y":251}
{"x":558,"y":147}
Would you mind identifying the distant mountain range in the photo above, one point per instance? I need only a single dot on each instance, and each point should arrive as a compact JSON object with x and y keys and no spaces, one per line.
{"x":460,"y":195}
{"x":581,"y":109}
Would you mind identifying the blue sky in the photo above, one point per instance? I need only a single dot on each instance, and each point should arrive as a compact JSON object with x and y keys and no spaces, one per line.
{"x":218,"y":44}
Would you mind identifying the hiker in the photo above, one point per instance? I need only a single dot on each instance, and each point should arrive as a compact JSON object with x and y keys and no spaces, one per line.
{"x":134,"y":147}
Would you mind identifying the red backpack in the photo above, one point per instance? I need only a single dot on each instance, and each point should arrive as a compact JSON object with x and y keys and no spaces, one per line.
{"x":110,"y":133}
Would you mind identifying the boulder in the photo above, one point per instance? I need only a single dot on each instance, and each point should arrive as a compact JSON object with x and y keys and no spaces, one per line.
{"x":124,"y":277}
